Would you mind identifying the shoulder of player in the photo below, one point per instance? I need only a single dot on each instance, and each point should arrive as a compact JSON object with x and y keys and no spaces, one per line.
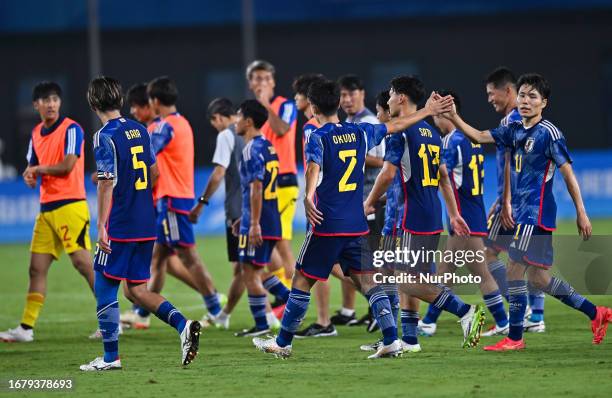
{"x":551,"y":129}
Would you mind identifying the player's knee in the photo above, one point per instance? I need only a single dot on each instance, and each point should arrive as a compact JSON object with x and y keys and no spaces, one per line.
{"x":538,"y":278}
{"x":491,"y":255}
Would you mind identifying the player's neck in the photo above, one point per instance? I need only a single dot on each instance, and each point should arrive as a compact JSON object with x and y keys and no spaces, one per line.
{"x":510,"y":106}
{"x":227,"y":122}
{"x":250,"y":134}
{"x":307,"y":114}
{"x":359,"y":111}
{"x":106,"y":116}
{"x":167,"y":110}
{"x":407,"y":110}
{"x":531,"y":121}
{"x":323,"y":120}
{"x":50,"y":122}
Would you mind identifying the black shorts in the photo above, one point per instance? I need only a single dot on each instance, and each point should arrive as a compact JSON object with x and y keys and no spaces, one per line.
{"x":232,"y":242}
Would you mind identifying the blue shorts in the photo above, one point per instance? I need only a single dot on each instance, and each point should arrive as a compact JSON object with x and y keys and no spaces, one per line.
{"x":319,"y":254}
{"x":422,"y":248}
{"x":499,"y":238}
{"x":173,"y":227}
{"x":129,"y":261}
{"x":255,"y":255}
{"x":531,"y":245}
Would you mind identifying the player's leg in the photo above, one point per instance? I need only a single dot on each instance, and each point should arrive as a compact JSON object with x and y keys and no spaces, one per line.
{"x":201,"y":277}
{"x":409,"y":319}
{"x":323,"y":326}
{"x":175,"y":267}
{"x":428,"y":325}
{"x":496,"y":241}
{"x":287,"y":198}
{"x":81,"y":260}
{"x":236,"y":289}
{"x":534,"y":318}
{"x":258,"y":296}
{"x":273,"y":283}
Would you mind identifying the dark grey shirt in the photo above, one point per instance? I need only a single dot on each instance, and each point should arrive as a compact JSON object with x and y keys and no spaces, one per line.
{"x":227,"y":154}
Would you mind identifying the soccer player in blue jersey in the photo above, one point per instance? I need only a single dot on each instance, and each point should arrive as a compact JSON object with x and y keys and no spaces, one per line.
{"x":462,"y":166}
{"x":126,"y":225}
{"x":501,"y":94}
{"x":538,"y":148}
{"x":336,"y":155}
{"x":416,"y":154}
{"x":259,"y":226}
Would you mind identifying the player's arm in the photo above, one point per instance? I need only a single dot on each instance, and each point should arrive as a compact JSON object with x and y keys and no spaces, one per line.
{"x":475,"y":135}
{"x":435,"y":105}
{"x":279,"y":123}
{"x":383,"y":180}
{"x":374,"y":161}
{"x":105,"y":198}
{"x":457,"y":222}
{"x":154,"y":174}
{"x":582,"y":219}
{"x":506,"y":211}
{"x":256,"y":203}
{"x":29,"y":175}
{"x":212,"y":185}
{"x":59,"y":169}
{"x":72,"y":151}
{"x":314,"y":216}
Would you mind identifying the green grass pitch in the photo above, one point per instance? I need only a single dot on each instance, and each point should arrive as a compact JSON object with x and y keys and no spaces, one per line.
{"x":561,"y":361}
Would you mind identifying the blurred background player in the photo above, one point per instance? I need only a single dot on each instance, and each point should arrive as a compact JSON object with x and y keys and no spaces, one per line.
{"x":538,"y":148}
{"x":416,"y":152}
{"x":322,"y":327}
{"x":228,"y":150}
{"x":462,"y":169}
{"x":280,"y":130}
{"x":55,"y":154}
{"x":502,"y":95}
{"x":352,"y":102}
{"x":126,"y":225}
{"x":142,"y":111}
{"x":172,"y":142}
{"x":259,"y":226}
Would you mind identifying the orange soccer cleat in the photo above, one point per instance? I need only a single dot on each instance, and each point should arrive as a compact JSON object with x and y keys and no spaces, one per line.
{"x":506,"y":344}
{"x":599,"y":325}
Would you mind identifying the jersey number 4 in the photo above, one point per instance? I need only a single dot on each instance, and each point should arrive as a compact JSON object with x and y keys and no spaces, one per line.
{"x":351,"y":155}
{"x":430,"y":155}
{"x":139,"y":165}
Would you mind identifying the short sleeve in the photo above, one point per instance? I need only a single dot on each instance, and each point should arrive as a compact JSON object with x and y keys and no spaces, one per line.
{"x":556,"y":149}
{"x":394,"y":149}
{"x":314,"y":149}
{"x":450,"y":153}
{"x":31,"y":155}
{"x":74,"y":140}
{"x":375,"y":133}
{"x":161,"y":137}
{"x":104,"y":153}
{"x":224,"y":149}
{"x":288,"y":112}
{"x":255,"y":166}
{"x":308,"y":129}
{"x":503,"y":136}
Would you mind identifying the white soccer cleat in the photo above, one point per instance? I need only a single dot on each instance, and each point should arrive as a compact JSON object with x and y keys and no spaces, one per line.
{"x":388,"y":351}
{"x":528,"y":312}
{"x":221,"y":320}
{"x":98,"y":364}
{"x":534,"y":327}
{"x":17,"y":335}
{"x":273,"y":321}
{"x":426,"y":329}
{"x":269,"y":345}
{"x":497,"y":331}
{"x":131,"y":319}
{"x":372,"y":346}
{"x":98,"y":334}
{"x":411,"y":348}
{"x":190,"y":341}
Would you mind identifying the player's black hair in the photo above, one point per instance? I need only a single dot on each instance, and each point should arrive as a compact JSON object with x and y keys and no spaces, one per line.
{"x":137,"y":95}
{"x":500,"y":77}
{"x":536,"y":81}
{"x":45,"y":89}
{"x":350,"y":83}
{"x":411,"y":86}
{"x":456,"y":100}
{"x":220,"y":106}
{"x":163,"y":89}
{"x":252,"y":109}
{"x":325,"y":95}
{"x":104,"y":94}
{"x":382,"y":99}
{"x":259,"y":64}
{"x":302,"y":83}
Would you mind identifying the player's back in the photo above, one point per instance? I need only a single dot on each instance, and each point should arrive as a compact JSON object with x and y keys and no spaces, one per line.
{"x":339,"y":195}
{"x":417,"y":152}
{"x":132,"y":217}
{"x":175,"y":160}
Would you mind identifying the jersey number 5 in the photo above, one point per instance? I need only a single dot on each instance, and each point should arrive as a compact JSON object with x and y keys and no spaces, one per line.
{"x":139,"y":165}
{"x":351,"y":154}
{"x":270,"y":191}
{"x":427,"y":151}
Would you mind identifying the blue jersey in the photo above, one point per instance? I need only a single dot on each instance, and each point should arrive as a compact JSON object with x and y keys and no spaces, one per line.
{"x":500,"y":154}
{"x":259,"y":162}
{"x":123,"y":153}
{"x":464,"y":161}
{"x":536,"y":151}
{"x":416,"y":151}
{"x":340,"y":150}
{"x":391,"y":207}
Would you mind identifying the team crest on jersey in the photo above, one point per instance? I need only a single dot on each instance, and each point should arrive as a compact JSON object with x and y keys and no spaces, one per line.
{"x":529,"y":144}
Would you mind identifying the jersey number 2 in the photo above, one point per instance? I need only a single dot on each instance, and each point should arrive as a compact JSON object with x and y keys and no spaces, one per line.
{"x":270,"y":191}
{"x":351,"y":154}
{"x":139,"y":165}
